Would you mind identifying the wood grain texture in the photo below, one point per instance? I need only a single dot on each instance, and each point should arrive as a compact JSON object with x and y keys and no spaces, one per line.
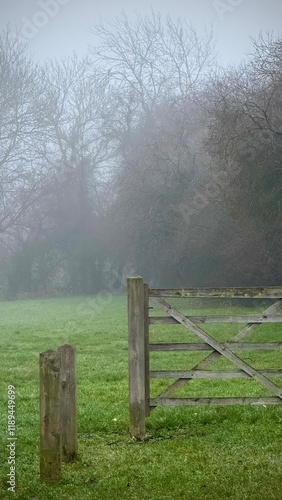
{"x":228,"y":293}
{"x":68,"y":403}
{"x":272,"y":400}
{"x":210,"y":374}
{"x":201,"y":346}
{"x":50,"y":428}
{"x":136,"y":357}
{"x":251,"y":318}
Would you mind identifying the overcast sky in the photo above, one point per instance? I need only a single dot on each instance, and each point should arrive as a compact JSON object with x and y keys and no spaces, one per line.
{"x":59,"y":27}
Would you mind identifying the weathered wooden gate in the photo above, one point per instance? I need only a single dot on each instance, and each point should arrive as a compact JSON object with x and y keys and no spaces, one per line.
{"x":139,"y":348}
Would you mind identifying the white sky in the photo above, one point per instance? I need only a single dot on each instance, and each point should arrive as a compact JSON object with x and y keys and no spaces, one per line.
{"x":66,"y":28}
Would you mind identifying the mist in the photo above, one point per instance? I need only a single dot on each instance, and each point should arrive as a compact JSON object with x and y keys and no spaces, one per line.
{"x":155,"y":148}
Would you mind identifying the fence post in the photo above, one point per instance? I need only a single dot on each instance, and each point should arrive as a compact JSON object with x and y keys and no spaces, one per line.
{"x":50,"y":431}
{"x":136,"y":352}
{"x":68,"y":405}
{"x":146,"y":339}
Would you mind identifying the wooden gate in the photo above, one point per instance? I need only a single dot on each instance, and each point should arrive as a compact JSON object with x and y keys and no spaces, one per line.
{"x":141,"y":404}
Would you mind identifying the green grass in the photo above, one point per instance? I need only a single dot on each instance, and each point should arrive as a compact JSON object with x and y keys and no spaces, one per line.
{"x":191,"y":453}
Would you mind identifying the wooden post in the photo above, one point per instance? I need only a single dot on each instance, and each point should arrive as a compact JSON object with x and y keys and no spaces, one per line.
{"x":136,"y":351}
{"x":50,"y":432}
{"x":146,"y":339}
{"x":68,"y":405}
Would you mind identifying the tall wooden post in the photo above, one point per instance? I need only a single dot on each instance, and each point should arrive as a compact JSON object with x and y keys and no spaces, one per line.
{"x":136,"y":351}
{"x":146,"y":347}
{"x":50,"y":429}
{"x":68,"y":405}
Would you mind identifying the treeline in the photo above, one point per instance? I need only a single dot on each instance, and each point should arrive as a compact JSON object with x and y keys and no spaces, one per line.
{"x":144,"y":154}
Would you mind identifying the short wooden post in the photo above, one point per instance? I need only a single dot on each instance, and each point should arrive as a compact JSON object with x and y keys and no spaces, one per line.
{"x":68,"y":405}
{"x":136,"y":351}
{"x":146,"y":339}
{"x":50,"y":432}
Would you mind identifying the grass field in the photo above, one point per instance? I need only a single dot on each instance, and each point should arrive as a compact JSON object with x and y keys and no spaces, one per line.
{"x":191,"y":453}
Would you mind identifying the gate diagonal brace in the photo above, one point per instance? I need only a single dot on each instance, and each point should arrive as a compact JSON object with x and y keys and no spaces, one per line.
{"x":219,"y":347}
{"x":213,"y":356}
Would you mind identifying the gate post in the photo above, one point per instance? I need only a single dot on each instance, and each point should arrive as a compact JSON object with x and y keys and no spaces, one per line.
{"x":137,"y":358}
{"x":147,"y":353}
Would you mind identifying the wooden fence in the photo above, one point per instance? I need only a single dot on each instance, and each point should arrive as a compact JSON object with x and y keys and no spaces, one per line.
{"x":58,"y":411}
{"x":141,"y":404}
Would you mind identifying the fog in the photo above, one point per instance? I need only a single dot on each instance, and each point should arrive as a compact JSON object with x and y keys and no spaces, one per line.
{"x":64,"y":25}
{"x":139,"y":138}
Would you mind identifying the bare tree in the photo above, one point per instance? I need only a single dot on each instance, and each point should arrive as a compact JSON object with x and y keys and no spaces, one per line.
{"x":162,"y":169}
{"x":56,"y":173}
{"x":151,"y":59}
{"x":20,"y":173}
{"x":77,"y":122}
{"x":157,"y":69}
{"x":79,"y":153}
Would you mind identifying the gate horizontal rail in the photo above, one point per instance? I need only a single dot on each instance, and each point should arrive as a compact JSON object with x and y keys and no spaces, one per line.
{"x":251,"y":318}
{"x":201,"y":346}
{"x":268,"y":292}
{"x":272,"y":400}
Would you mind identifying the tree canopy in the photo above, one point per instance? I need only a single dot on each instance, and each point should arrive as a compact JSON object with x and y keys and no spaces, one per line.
{"x":143,"y":153}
